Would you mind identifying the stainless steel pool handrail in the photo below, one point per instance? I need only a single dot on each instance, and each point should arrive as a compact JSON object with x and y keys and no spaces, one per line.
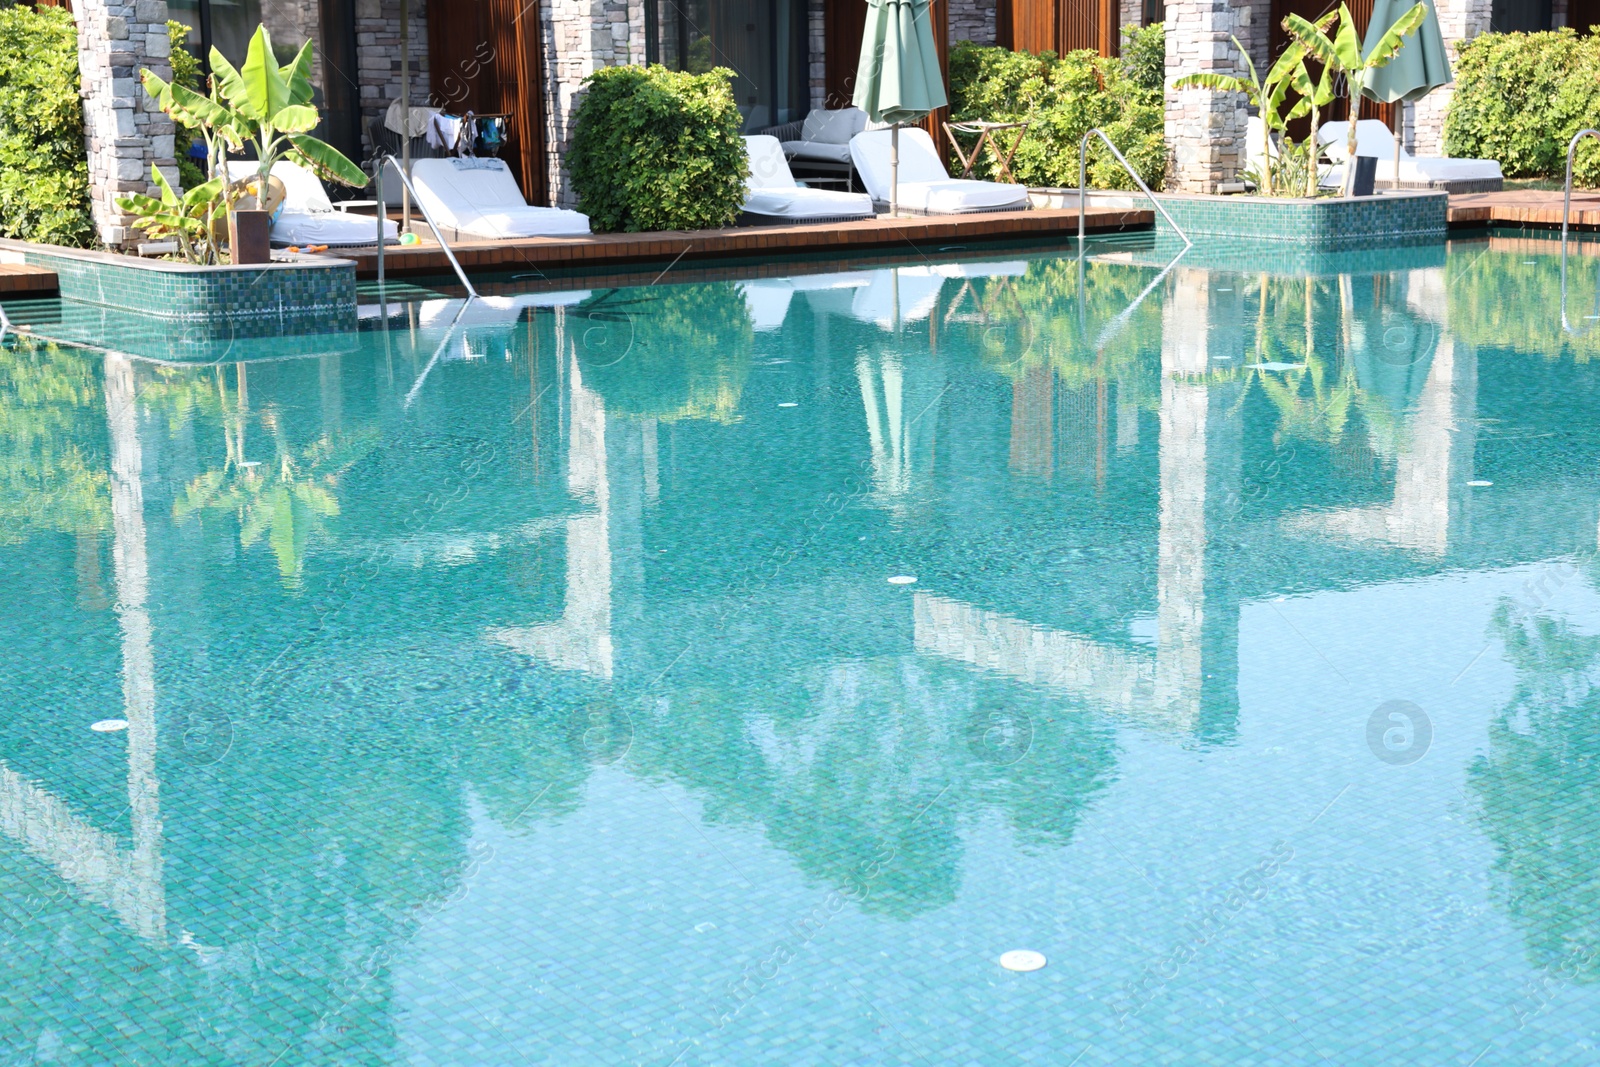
{"x":1566,"y":213}
{"x":1566,"y":198}
{"x":383,"y":214}
{"x":1083,"y":183}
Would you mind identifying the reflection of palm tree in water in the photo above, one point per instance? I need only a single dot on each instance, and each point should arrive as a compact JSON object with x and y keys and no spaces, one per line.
{"x":286,"y":499}
{"x":1538,"y":786}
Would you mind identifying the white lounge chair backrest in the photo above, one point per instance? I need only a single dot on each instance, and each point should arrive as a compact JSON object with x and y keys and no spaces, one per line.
{"x":833,"y":127}
{"x":1373,"y":138}
{"x":303,"y":193}
{"x":768,"y":168}
{"x":458,"y":191}
{"x":919,"y":160}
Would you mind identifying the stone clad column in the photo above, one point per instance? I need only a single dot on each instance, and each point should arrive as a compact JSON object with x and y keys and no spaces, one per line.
{"x":580,"y":37}
{"x":1205,"y":129}
{"x":124,"y":131}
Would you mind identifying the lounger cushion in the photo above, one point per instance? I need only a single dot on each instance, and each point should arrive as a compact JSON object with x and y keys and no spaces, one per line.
{"x":480,"y":197}
{"x":1375,"y":139}
{"x":925,"y":185}
{"x":771,"y":189}
{"x":833,"y":127}
{"x":818,"y":151}
{"x":308,"y":218}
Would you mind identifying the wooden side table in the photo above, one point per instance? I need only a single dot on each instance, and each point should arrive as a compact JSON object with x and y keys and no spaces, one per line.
{"x":986,"y":132}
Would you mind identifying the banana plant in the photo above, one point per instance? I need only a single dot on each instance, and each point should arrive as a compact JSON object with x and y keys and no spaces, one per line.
{"x":1266,"y":95}
{"x":272,"y":111}
{"x":186,"y":217}
{"x":1342,"y":52}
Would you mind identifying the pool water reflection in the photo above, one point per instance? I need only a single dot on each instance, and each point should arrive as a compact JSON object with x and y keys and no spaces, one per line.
{"x":539,"y":682}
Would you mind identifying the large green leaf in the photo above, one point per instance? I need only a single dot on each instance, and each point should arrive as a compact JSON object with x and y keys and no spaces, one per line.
{"x":265,"y":91}
{"x":1394,"y":38}
{"x":1314,"y":38}
{"x":1347,"y":43}
{"x":203,"y":194}
{"x":296,"y":118}
{"x":229,"y":82}
{"x":297,"y":75}
{"x":1221,"y":82}
{"x":325,"y":160}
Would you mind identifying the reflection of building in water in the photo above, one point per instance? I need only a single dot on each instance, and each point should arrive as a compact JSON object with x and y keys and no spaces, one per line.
{"x":1189,"y":675}
{"x":1433,"y":450}
{"x":598,"y":570}
{"x":88,"y":858}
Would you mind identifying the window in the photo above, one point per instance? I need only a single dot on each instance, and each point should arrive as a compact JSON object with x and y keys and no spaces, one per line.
{"x":1519,"y":16}
{"x":228,"y":25}
{"x":762,"y":41}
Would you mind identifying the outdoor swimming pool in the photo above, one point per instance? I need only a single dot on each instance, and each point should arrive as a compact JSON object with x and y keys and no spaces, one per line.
{"x":730,"y":672}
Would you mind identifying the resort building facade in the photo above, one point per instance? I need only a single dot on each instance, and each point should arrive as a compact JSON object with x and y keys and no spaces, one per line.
{"x":528,"y":62}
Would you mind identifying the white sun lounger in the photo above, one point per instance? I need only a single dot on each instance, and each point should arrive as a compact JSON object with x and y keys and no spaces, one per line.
{"x":308,"y":217}
{"x":926,"y":188}
{"x":479,"y":198}
{"x":774,"y":196}
{"x":1375,"y":139}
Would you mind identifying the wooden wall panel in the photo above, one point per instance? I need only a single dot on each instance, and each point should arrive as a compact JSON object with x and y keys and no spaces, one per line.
{"x":843,"y":24}
{"x":484,"y":56}
{"x":1065,"y":26}
{"x":1583,"y":15}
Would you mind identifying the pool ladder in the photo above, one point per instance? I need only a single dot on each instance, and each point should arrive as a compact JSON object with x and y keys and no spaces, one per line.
{"x":383,"y":214}
{"x":1083,"y":184}
{"x":1566,"y":214}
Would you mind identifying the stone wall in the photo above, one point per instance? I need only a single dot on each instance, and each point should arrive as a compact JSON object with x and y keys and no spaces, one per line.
{"x":580,"y":37}
{"x":817,"y":68}
{"x":1205,"y":129}
{"x":972,"y":20}
{"x":124,"y":131}
{"x":378,"y":57}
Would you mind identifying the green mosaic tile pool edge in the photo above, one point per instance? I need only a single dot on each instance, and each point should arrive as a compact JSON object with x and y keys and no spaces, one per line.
{"x":302,"y":293}
{"x":1321,"y":223}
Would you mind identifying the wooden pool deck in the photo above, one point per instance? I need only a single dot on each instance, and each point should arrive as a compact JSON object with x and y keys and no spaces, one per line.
{"x":628,"y":258}
{"x":1524,"y":207}
{"x":611,"y":252}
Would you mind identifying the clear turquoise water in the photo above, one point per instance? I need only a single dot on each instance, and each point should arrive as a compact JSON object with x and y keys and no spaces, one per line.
{"x":533,"y":690}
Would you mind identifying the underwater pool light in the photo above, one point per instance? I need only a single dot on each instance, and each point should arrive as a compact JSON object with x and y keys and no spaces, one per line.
{"x":1023,"y":960}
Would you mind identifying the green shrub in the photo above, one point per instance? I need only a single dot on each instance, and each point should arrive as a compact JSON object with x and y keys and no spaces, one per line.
{"x":44,"y":170}
{"x":1144,"y":55}
{"x":657,"y":149}
{"x":1062,"y":98}
{"x":185,"y":72}
{"x":1519,"y":99}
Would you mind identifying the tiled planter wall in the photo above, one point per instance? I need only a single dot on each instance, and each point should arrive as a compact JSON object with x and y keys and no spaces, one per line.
{"x":1330,"y":222}
{"x":252,"y":301}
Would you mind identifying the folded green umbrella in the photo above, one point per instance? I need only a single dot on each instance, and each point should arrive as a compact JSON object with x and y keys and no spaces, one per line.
{"x":898,"y":78}
{"x":1421,"y":65}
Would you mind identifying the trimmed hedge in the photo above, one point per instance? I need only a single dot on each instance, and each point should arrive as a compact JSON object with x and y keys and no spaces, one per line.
{"x":1062,"y":98}
{"x":1519,"y":99}
{"x":658,"y":149}
{"x":44,"y":169}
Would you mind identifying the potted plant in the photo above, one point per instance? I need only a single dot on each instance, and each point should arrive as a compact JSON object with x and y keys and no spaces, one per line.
{"x":268,"y":108}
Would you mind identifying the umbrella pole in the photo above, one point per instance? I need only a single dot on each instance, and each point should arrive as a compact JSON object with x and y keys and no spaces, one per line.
{"x":894,"y":172}
{"x":1399,"y":129}
{"x":405,"y":114}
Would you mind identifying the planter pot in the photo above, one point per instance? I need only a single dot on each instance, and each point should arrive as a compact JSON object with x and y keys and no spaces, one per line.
{"x":1366,"y":175}
{"x":248,"y":237}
